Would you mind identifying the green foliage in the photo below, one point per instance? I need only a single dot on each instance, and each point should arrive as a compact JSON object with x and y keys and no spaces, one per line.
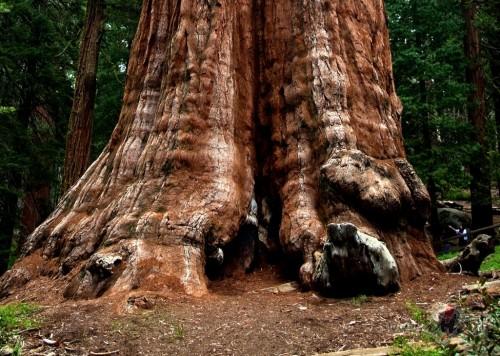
{"x":495,"y":163}
{"x":429,"y":66}
{"x":13,"y":318}
{"x":178,"y":331}
{"x":406,"y":348}
{"x":121,"y":23}
{"x":4,"y":7}
{"x":483,"y":333}
{"x":492,"y":262}
{"x":417,"y":313}
{"x":38,"y":60}
{"x":455,"y":193}
{"x":360,"y":300}
{"x":489,"y":23}
{"x":429,"y":333}
{"x":35,"y":98}
{"x":447,"y":255}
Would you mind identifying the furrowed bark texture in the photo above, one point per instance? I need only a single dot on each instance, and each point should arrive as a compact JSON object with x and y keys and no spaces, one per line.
{"x":81,"y":118}
{"x":328,"y":97}
{"x":241,"y":118}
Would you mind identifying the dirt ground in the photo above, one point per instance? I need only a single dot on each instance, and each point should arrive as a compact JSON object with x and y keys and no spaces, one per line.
{"x":237,"y":318}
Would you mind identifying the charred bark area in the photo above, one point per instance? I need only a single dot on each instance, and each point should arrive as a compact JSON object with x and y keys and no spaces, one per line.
{"x":78,"y":141}
{"x":248,"y":129}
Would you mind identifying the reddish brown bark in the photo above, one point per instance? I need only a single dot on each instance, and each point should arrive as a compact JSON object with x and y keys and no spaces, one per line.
{"x":480,"y":169}
{"x":280,"y":114}
{"x":34,"y":211}
{"x":79,"y":136}
{"x":8,"y":208}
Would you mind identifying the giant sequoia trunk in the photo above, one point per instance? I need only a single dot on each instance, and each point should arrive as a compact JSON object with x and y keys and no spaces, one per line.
{"x":244,"y":123}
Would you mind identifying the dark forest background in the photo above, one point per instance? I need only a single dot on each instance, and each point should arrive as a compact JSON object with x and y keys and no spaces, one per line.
{"x":433,"y":62}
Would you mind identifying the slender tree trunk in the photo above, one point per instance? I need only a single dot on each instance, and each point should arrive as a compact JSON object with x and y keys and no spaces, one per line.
{"x":431,"y":185}
{"x":35,"y":209}
{"x":9,"y":210}
{"x":494,"y":51}
{"x":427,"y":134}
{"x":8,"y":214}
{"x":78,"y":141}
{"x":480,"y":167}
{"x":496,"y":103}
{"x":296,"y":96}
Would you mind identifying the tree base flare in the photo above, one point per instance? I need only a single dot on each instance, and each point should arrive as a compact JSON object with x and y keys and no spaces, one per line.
{"x":247,"y":129}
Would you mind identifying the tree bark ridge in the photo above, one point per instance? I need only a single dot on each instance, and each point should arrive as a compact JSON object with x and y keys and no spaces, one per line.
{"x":296,"y":95}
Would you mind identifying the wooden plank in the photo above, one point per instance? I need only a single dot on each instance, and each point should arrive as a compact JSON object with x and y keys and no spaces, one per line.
{"x":492,"y":288}
{"x":283,"y":288}
{"x":377,"y":351}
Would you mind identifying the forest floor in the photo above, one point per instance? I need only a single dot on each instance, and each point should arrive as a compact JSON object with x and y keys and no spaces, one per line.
{"x":238,"y":317}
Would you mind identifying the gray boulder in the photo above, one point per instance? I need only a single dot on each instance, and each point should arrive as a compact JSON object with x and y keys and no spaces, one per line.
{"x":353,"y":262}
{"x":453,"y":217}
